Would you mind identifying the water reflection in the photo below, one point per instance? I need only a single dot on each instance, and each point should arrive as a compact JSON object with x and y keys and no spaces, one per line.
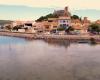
{"x":64,"y":43}
{"x":4,"y":40}
{"x":48,"y":60}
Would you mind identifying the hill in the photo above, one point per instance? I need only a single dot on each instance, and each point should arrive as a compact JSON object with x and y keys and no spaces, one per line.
{"x":2,"y":22}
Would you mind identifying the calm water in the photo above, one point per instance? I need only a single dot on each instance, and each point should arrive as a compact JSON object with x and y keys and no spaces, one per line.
{"x":48,"y":60}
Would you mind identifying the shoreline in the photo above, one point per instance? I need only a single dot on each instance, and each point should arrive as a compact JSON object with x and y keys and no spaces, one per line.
{"x":17,"y":34}
{"x":51,"y":37}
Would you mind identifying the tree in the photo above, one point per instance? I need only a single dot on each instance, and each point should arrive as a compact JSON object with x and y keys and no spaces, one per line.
{"x":8,"y":27}
{"x":46,"y":17}
{"x":51,"y":16}
{"x":41,"y":19}
{"x":69,"y":29}
{"x":94,"y":28}
{"x":17,"y":27}
{"x":61,"y":29}
{"x":75,"y":17}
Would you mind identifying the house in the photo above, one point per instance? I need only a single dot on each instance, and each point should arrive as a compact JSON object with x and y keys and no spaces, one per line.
{"x":80,"y":27}
{"x":50,"y":25}
{"x":23,"y":26}
{"x":38,"y":27}
{"x":21,"y":30}
{"x":86,"y":22}
{"x":97,"y":22}
{"x":54,"y":26}
{"x":76,"y":25}
{"x":28,"y":24}
{"x":31,"y":30}
{"x":16,"y":23}
{"x":64,"y":22}
{"x":46,"y":26}
{"x":53,"y":22}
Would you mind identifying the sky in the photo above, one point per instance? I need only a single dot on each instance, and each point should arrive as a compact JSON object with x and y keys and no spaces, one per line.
{"x":54,"y":4}
{"x":79,"y":4}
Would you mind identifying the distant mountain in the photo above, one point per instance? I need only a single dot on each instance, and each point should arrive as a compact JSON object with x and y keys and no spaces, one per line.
{"x":2,"y":22}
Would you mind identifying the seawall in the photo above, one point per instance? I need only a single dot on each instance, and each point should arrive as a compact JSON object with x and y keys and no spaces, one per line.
{"x":52,"y":37}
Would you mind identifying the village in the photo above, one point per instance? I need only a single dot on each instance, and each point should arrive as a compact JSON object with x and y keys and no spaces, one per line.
{"x":60,"y":22}
{"x":49,"y":40}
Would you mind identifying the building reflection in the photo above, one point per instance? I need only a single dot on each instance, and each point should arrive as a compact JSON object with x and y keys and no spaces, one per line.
{"x":64,"y":43}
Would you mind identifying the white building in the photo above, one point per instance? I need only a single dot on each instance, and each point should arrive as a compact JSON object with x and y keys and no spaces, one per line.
{"x":21,"y":30}
{"x":38,"y":26}
{"x":28,"y":24}
{"x":64,"y":22}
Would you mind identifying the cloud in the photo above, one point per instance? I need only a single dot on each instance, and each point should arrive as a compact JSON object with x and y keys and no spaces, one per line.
{"x":73,"y":4}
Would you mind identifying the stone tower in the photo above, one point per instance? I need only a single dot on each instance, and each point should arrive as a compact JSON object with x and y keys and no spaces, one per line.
{"x":66,"y":12}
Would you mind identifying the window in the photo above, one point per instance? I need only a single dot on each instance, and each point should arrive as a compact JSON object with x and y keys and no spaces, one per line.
{"x":54,"y":26}
{"x":64,"y":21}
{"x":60,"y":21}
{"x":28,"y":24}
{"x":67,"y":25}
{"x":47,"y":27}
{"x":50,"y":21}
{"x":34,"y":26}
{"x":61,"y":25}
{"x":64,"y":25}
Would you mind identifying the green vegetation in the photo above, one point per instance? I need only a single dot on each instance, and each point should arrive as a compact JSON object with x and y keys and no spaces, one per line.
{"x":61,"y":29}
{"x":46,"y":17}
{"x":42,"y":18}
{"x":8,"y":27}
{"x":64,"y":29}
{"x":17,"y":27}
{"x":75,"y":17}
{"x":94,"y":28}
{"x":2,"y":22}
{"x":69,"y":29}
{"x":92,"y":41}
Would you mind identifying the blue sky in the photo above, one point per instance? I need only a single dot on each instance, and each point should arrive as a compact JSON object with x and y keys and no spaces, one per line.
{"x":22,"y":12}
{"x":32,"y":9}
